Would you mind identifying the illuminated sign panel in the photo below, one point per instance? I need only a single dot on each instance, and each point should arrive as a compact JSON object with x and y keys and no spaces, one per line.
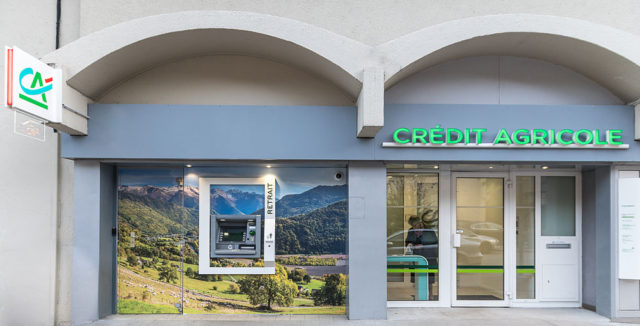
{"x":518,"y":138}
{"x":629,"y":229}
{"x":31,"y":86}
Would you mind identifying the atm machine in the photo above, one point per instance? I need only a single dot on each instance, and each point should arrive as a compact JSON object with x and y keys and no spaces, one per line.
{"x":246,"y":238}
{"x":235,"y":236}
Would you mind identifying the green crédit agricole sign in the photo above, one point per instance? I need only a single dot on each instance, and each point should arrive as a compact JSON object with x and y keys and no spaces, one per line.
{"x":519,"y":138}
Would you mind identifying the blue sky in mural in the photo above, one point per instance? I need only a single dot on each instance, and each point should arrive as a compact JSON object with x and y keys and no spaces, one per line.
{"x":161,"y":177}
{"x":244,"y":188}
{"x":289,"y":180}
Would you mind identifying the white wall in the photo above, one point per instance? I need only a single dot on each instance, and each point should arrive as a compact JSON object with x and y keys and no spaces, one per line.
{"x":369,"y":21}
{"x":499,"y":80}
{"x":28,"y":170}
{"x":227,"y":80}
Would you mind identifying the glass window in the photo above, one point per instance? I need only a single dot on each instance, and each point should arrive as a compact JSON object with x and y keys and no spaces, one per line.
{"x":480,"y":223}
{"x":558,"y":206}
{"x":158,"y":241}
{"x":525,"y":237}
{"x":412,"y":237}
{"x":151,"y":225}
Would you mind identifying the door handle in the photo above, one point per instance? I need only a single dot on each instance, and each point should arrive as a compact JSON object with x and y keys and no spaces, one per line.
{"x":457,"y":238}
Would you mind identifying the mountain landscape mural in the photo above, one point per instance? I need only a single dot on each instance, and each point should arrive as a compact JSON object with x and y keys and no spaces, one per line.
{"x":312,"y":222}
{"x":235,"y":201}
{"x":158,"y":248}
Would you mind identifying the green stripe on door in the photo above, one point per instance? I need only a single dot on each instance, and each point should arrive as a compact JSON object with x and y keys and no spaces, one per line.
{"x":463,"y":269}
{"x":412,"y":266}
{"x":526,"y":271}
{"x":479,"y":271}
{"x":480,"y":267}
{"x":408,"y":270}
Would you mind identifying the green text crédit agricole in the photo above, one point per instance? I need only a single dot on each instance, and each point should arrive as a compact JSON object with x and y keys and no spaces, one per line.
{"x":440,"y":135}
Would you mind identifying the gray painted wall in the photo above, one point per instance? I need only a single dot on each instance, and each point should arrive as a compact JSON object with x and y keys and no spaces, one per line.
{"x":92,"y":286}
{"x":107,"y":240}
{"x":499,"y":80}
{"x":367,"y":297}
{"x":86,"y":246}
{"x":588,"y":238}
{"x":604,"y":249}
{"x":188,"y":132}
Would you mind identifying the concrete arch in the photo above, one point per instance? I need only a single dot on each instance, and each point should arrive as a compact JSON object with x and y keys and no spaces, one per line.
{"x":98,"y":61}
{"x":606,"y":55}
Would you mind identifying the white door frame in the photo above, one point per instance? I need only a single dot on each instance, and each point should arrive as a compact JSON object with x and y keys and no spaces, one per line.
{"x":507,"y":264}
{"x":447,"y":274}
{"x":537,"y":302}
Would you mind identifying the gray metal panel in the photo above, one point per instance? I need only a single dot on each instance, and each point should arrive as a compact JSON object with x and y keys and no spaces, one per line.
{"x":93,"y":266}
{"x":218,"y":132}
{"x":588,"y":238}
{"x":328,"y":133}
{"x":107,"y":277}
{"x":367,"y":296}
{"x":604,"y":250}
{"x":86,"y":250}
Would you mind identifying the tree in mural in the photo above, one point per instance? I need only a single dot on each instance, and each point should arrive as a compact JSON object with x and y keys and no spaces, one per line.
{"x":266,"y":290}
{"x":167,"y":274}
{"x":333,"y":292}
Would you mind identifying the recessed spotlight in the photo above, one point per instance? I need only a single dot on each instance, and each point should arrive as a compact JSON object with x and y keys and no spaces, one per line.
{"x":188,"y":165}
{"x":268,"y":166}
{"x":491,"y":167}
{"x":435,"y":166}
{"x":544,"y":167}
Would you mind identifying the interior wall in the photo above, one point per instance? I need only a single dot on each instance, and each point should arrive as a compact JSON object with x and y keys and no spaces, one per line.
{"x":499,"y":80}
{"x":227,"y":80}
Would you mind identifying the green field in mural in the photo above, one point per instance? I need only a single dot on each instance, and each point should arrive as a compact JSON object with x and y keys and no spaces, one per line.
{"x":158,"y":251}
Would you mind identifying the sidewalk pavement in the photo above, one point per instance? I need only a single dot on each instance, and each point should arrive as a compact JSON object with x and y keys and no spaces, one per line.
{"x":396,"y":316}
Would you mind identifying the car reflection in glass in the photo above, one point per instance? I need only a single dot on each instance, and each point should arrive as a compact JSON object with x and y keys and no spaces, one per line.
{"x":424,"y":242}
{"x":479,"y":240}
{"x":421,"y":242}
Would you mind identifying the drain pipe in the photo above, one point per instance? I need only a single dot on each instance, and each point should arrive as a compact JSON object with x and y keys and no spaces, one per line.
{"x":58,"y":14}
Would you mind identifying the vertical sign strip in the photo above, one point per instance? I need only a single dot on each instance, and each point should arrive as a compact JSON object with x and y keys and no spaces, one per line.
{"x":270,"y":221}
{"x":628,"y":229}
{"x":9,"y":78}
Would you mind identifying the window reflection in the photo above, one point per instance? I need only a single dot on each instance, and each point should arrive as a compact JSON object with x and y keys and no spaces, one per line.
{"x":412,"y":237}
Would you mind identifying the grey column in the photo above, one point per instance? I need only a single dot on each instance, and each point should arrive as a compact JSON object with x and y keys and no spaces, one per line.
{"x":367,"y":290}
{"x":92,"y":282}
{"x":588,"y":239}
{"x":604,"y":249}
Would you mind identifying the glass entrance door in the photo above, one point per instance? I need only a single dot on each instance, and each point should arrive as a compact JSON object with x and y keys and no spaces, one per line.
{"x":479,"y":240}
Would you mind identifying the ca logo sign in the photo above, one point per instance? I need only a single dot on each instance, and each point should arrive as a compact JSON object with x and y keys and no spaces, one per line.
{"x":35,"y":92}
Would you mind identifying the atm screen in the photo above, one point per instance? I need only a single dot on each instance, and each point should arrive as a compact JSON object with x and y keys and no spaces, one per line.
{"x":233,"y":234}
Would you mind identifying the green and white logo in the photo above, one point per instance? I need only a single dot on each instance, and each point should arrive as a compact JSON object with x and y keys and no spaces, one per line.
{"x":32,"y":86}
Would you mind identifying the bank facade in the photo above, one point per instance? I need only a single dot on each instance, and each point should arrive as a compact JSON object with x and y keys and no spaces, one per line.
{"x":280,"y":168}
